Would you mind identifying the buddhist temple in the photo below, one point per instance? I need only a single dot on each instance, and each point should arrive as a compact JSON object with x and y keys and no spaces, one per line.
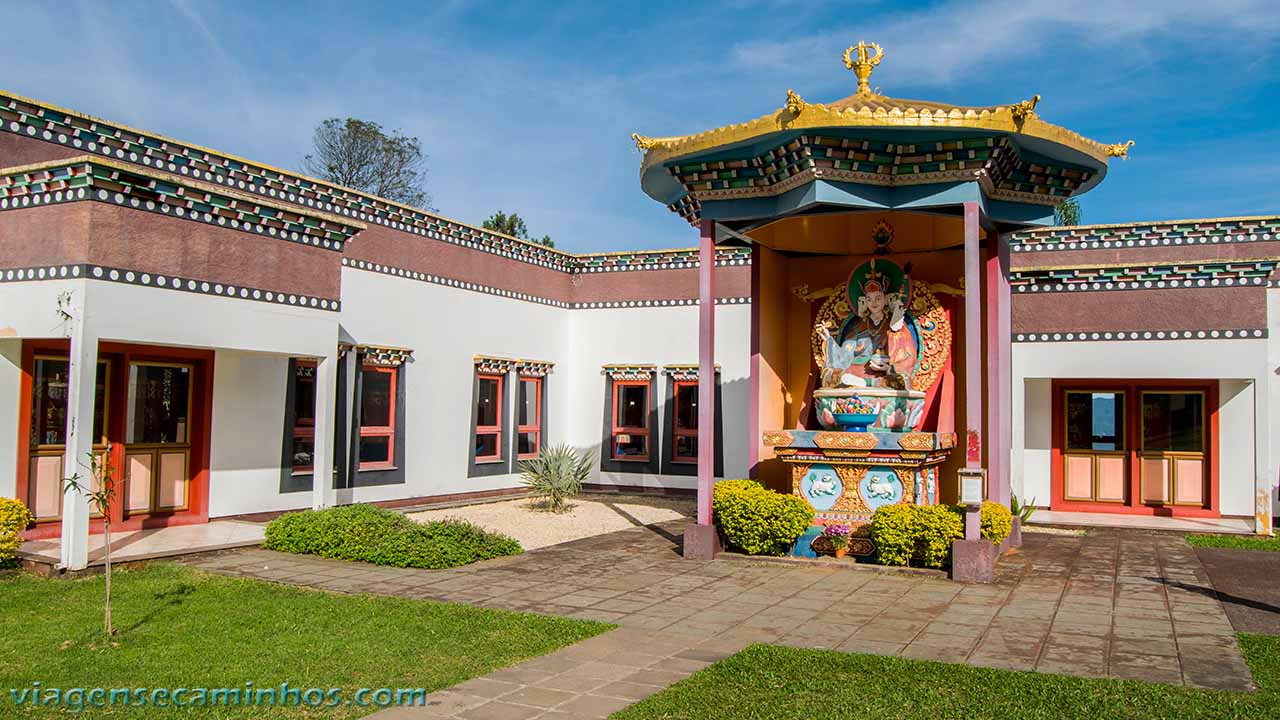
{"x":879,"y":310}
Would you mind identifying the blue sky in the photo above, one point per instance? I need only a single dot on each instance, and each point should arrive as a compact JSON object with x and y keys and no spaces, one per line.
{"x":528,"y":107}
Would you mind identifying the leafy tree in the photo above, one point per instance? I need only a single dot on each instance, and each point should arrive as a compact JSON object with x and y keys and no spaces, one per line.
{"x":514,"y":226}
{"x":1067,"y":212}
{"x":359,"y":154}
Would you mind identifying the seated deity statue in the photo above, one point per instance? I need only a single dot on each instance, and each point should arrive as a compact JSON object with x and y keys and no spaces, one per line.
{"x":876,"y":347}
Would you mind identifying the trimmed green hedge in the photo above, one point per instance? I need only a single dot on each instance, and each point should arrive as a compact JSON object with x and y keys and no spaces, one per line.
{"x":756,"y":520}
{"x":906,"y":534}
{"x":996,"y":521}
{"x":385,"y":537}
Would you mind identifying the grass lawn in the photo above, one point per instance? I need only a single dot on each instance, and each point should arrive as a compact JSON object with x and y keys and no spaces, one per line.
{"x":182,"y":628}
{"x":1237,"y":542}
{"x":774,"y":682}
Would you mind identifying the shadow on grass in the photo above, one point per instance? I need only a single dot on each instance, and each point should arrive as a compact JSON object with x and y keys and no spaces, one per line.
{"x":164,"y":600}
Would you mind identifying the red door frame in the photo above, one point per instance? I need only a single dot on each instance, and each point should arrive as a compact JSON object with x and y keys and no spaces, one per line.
{"x":122,"y":354}
{"x":1133,"y":442}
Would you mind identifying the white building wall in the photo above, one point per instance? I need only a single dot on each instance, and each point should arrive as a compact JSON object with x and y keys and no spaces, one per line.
{"x":1240,"y":365}
{"x":446,"y":328}
{"x":659,"y":336}
{"x":248,"y":435}
{"x":10,"y":398}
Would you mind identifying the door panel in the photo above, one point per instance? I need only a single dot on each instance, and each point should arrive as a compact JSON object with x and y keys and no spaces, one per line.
{"x":44,"y":487}
{"x":172,"y":480}
{"x":1113,"y":478}
{"x":137,"y":481}
{"x":1188,"y":481}
{"x":1155,"y":479}
{"x":1079,"y":477}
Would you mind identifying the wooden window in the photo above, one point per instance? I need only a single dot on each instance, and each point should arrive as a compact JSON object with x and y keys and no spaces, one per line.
{"x":488,"y":418}
{"x":684,"y":446}
{"x":304,"y":415}
{"x":529,"y":417}
{"x":1094,"y":455}
{"x":1173,"y":448}
{"x":629,"y":439}
{"x":377,"y":417}
{"x":49,"y":402}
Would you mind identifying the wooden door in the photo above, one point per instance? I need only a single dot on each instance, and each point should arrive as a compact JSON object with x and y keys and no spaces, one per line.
{"x":157,"y":446}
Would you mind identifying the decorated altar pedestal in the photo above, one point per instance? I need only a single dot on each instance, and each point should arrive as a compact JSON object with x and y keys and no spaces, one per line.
{"x":882,"y":377}
{"x":845,"y":476}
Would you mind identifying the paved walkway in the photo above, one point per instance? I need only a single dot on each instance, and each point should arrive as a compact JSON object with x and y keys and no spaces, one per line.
{"x":1113,"y":603}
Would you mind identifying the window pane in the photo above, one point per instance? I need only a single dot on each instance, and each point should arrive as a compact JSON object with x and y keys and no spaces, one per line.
{"x":304,"y":449}
{"x":375,"y":398}
{"x":304,"y":395}
{"x":686,"y":447}
{"x":687,"y":407}
{"x":1173,"y":422}
{"x":1095,"y":421}
{"x":527,"y":408}
{"x":375,"y":450}
{"x":633,"y":405}
{"x":526,"y":443}
{"x":486,"y":445}
{"x":630,"y":445}
{"x":488,"y":402}
{"x":158,"y":400}
{"x":49,"y":402}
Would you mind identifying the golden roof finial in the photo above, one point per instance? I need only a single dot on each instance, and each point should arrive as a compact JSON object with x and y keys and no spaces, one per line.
{"x":642,"y":142}
{"x":1120,"y":150}
{"x":795,"y":104}
{"x":865,"y":63}
{"x":1024,"y":109}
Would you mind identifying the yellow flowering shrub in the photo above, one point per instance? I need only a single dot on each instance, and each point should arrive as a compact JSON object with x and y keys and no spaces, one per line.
{"x":756,"y":520}
{"x":997,"y":521}
{"x":14,"y":518}
{"x":906,"y":534}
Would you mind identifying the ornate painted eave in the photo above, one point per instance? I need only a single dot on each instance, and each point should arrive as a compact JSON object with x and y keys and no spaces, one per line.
{"x":871,"y":139}
{"x":817,"y":116}
{"x":380,"y":355}
{"x":99,"y":179}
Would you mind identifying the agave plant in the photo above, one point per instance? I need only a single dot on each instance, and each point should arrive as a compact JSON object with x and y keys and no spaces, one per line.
{"x":556,"y":475}
{"x":1020,"y":509}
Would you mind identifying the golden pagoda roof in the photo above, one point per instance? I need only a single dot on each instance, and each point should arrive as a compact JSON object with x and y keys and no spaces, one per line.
{"x":867,"y":108}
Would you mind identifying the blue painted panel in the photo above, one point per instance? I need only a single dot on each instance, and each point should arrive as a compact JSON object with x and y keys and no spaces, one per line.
{"x":880,"y":487}
{"x":821,"y":486}
{"x":803,"y":547}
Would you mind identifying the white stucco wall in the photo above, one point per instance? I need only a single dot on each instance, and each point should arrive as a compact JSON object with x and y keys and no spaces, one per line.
{"x":1240,"y":365}
{"x":659,"y":336}
{"x":248,"y":435}
{"x":10,"y":395}
{"x":446,"y":328}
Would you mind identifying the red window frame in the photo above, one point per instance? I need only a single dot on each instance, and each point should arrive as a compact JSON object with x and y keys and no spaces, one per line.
{"x":629,"y":430}
{"x":679,"y":431}
{"x":535,"y":428}
{"x":496,"y":429}
{"x":380,"y":431}
{"x":305,"y":428}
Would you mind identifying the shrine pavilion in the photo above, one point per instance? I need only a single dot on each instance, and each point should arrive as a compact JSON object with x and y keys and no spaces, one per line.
{"x":879,"y":309}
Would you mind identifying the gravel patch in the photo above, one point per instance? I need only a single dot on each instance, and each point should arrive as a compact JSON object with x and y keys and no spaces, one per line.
{"x":525,"y":521}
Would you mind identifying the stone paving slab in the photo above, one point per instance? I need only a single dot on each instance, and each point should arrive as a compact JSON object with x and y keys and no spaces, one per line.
{"x":1112,"y":603}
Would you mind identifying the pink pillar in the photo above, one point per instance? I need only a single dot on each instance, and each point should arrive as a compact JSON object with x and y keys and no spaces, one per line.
{"x":706,"y":369}
{"x":753,"y":405}
{"x":972,"y":337}
{"x":999,"y":365}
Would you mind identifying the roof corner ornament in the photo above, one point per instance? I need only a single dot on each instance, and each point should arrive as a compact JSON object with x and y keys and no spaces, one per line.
{"x":864,"y":64}
{"x":642,"y":142}
{"x":1024,"y":109}
{"x":1120,"y":150}
{"x":795,"y":104}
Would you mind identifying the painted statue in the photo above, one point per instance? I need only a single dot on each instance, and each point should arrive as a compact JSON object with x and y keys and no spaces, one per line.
{"x":875,"y":345}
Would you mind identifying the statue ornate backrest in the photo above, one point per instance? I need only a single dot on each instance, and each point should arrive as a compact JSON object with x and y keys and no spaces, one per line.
{"x":884,"y":331}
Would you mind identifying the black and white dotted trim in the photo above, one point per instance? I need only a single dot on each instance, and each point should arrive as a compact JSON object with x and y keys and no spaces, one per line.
{"x":655,"y":303}
{"x":678,"y":265}
{"x":1050,"y":245}
{"x":1275,"y":283}
{"x":119,"y":198}
{"x":514,"y":295}
{"x":1141,"y":285}
{"x":450,"y":282}
{"x":1251,"y":334}
{"x":167,"y":282}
